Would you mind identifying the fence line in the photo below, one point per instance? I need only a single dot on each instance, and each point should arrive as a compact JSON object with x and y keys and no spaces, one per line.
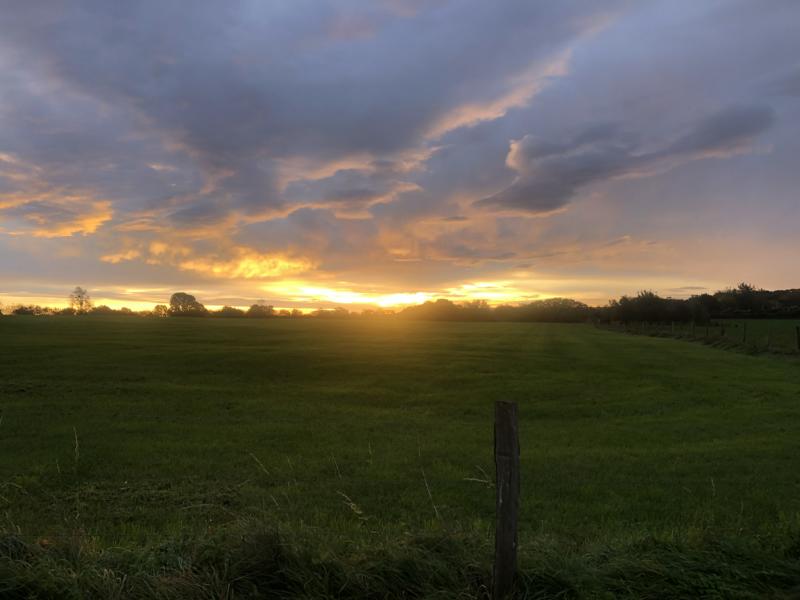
{"x":732,"y":334}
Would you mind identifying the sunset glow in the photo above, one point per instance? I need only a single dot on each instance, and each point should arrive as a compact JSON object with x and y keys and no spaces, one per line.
{"x":437,"y":150}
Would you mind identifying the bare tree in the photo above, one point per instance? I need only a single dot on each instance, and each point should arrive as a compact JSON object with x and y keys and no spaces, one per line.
{"x":79,"y":300}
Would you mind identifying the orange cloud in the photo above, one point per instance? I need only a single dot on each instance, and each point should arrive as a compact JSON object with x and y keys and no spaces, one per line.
{"x":121,"y":256}
{"x":40,"y":209}
{"x":246,"y":264}
{"x":521,"y":89}
{"x":235,"y":263}
{"x":62,"y":217}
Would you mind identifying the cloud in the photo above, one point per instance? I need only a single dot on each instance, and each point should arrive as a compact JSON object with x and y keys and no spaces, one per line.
{"x":32,"y":205}
{"x":727,"y":132}
{"x":144,"y":87}
{"x":246,"y":264}
{"x":520,"y":90}
{"x":55,"y":214}
{"x":350,"y":188}
{"x":786,"y":84}
{"x":121,"y":256}
{"x":550,"y":173}
{"x":369,"y":141}
{"x":215,"y":261}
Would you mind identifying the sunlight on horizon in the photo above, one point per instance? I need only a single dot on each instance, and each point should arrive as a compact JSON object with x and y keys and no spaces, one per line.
{"x":399,"y":161}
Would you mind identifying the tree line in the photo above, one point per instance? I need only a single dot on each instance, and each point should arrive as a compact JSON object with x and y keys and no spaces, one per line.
{"x":742,"y":301}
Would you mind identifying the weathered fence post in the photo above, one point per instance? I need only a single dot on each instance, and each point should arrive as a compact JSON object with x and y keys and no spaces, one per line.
{"x":797,"y":335}
{"x":506,"y":460}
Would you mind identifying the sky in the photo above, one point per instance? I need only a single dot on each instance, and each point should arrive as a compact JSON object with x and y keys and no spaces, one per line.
{"x":386,"y":152}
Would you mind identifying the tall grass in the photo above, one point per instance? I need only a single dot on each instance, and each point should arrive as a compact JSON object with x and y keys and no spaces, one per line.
{"x":252,"y":560}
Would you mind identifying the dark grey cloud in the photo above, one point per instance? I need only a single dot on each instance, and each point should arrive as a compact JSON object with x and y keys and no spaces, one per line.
{"x":551,"y":173}
{"x":470,"y":162}
{"x":258,"y":77}
{"x":315,"y":232}
{"x":204,"y":212}
{"x":726,"y":131}
{"x":232,"y":89}
{"x":60,"y":143}
{"x":359,"y":132}
{"x":785,"y":85}
{"x":350,"y":188}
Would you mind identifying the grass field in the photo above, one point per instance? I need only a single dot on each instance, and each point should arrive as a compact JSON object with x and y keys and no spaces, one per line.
{"x":778,"y":336}
{"x":198,"y":458}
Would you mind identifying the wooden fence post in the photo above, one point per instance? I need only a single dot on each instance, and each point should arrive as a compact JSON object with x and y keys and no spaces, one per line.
{"x":506,"y":460}
{"x":797,"y":335}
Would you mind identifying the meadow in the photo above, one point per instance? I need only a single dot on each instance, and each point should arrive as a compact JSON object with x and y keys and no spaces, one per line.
{"x":228,"y":458}
{"x":778,"y":336}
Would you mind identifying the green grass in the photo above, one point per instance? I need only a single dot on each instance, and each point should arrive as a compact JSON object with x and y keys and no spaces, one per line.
{"x":777,"y":336}
{"x":206,"y":445}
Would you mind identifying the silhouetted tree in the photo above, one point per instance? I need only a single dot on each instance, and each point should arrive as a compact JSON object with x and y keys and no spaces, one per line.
{"x":182,"y":304}
{"x":229,"y":311}
{"x":475,"y":310}
{"x":80,"y":301}
{"x":260,"y":311}
{"x":31,"y":310}
{"x":371,"y":313}
{"x":703,"y":306}
{"x":552,"y":310}
{"x":102,"y":310}
{"x":742,"y":301}
{"x":336,"y":313}
{"x":439,"y":310}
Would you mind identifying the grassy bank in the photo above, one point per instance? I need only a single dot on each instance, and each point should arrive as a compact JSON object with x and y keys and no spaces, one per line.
{"x":253,"y":562}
